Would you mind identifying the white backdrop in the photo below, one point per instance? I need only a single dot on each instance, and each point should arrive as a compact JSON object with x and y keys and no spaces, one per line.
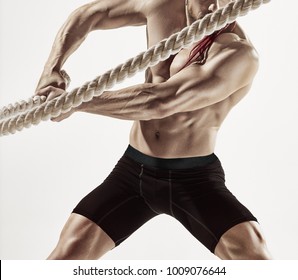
{"x":46,"y":170}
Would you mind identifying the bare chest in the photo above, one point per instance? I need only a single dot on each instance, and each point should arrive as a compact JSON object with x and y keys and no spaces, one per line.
{"x":179,"y":61}
{"x":203,"y":62}
{"x":206,"y":59}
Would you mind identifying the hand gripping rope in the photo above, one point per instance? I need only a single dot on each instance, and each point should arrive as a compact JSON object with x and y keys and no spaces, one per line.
{"x":25,"y":113}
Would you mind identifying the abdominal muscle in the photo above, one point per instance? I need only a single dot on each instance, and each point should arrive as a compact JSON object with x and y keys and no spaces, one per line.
{"x":180,"y":135}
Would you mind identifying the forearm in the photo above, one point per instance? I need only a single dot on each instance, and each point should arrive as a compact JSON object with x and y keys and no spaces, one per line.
{"x":71,"y":35}
{"x":138,"y":102}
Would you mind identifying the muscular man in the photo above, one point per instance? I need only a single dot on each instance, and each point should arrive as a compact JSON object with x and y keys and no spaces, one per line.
{"x":169,"y":166}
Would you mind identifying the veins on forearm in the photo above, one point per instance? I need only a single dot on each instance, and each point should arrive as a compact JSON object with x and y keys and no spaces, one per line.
{"x":135,"y":103}
{"x":70,"y":36}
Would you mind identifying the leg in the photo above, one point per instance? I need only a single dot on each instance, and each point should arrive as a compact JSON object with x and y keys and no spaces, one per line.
{"x":81,"y":239}
{"x":243,"y":241}
{"x":204,"y":205}
{"x":106,"y":216}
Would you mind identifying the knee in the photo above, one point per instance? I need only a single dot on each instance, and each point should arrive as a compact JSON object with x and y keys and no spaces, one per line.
{"x":244,"y":242}
{"x":81,"y":239}
{"x":67,"y":249}
{"x":253,"y":250}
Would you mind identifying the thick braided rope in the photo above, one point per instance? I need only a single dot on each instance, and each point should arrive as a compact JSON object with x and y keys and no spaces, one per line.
{"x":36,"y":110}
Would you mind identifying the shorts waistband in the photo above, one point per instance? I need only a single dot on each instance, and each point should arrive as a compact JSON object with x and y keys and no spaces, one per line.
{"x":169,"y":163}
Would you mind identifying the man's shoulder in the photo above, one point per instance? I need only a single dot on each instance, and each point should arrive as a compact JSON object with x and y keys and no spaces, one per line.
{"x":237,"y":47}
{"x":246,"y":51}
{"x":237,"y":58}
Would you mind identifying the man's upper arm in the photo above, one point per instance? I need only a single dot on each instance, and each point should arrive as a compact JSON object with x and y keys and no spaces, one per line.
{"x":108,"y":14}
{"x":196,"y":86}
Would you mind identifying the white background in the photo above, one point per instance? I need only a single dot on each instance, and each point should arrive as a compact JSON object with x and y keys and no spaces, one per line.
{"x":46,"y":170}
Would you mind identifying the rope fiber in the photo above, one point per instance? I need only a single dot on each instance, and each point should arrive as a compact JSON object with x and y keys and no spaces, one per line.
{"x":25,"y":113}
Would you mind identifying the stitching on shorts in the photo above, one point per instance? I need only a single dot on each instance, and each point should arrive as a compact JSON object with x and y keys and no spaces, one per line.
{"x":141,"y":190}
{"x":140,"y":177}
{"x":148,"y":204}
{"x":207,"y":229}
{"x":116,"y":207}
{"x":170,"y":194}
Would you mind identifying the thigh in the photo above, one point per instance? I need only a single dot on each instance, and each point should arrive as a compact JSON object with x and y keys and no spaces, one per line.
{"x":116,"y":205}
{"x":81,"y":239}
{"x":204,"y":205}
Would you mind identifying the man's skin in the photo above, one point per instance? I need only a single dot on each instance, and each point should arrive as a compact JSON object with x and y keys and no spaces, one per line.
{"x":177,"y":113}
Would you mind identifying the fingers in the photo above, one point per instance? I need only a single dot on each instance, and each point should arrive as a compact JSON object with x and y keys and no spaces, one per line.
{"x":52,"y":85}
{"x":66,"y":78}
{"x":50,"y":92}
{"x":53,"y":95}
{"x":57,"y":79}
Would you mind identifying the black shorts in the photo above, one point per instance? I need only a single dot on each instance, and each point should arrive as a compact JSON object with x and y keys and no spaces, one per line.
{"x":192,"y":190}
